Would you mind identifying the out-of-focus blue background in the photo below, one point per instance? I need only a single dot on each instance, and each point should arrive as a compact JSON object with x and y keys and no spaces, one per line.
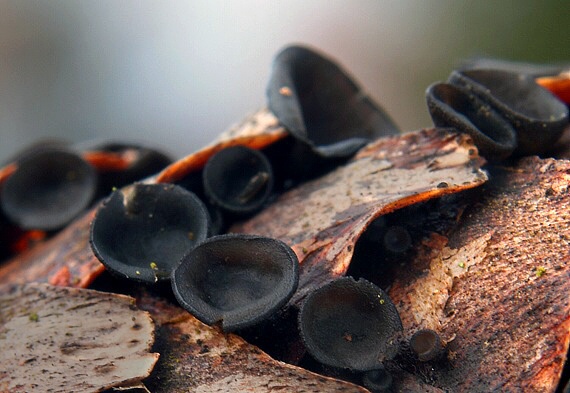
{"x":177,"y":73}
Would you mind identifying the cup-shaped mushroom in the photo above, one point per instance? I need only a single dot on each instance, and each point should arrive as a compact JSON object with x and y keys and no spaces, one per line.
{"x":426,"y":344}
{"x":538,"y":117}
{"x":48,"y":189}
{"x":238,"y":179}
{"x":378,"y":381}
{"x":349,"y":324}
{"x":397,"y":239}
{"x":142,"y":232}
{"x":321,"y":105}
{"x":453,"y":106}
{"x":236,"y":280}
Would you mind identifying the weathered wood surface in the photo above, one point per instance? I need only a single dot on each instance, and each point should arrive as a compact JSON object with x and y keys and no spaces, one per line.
{"x":57,"y":339}
{"x":322,"y":219}
{"x":499,"y":288}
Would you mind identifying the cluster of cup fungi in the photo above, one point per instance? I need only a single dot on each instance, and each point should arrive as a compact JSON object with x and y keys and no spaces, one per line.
{"x":177,"y":233}
{"x":47,"y":185}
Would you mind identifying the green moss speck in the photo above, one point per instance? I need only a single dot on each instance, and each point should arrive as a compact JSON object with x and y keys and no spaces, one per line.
{"x":540,"y":271}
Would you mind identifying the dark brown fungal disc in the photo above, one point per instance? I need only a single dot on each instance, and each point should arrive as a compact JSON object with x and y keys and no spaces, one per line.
{"x":349,"y":324}
{"x":397,"y":239}
{"x":238,"y":179}
{"x":48,"y":189}
{"x":141,"y":233}
{"x":236,"y":280}
{"x":426,"y":344}
{"x":377,"y":381}
{"x":455,"y":107}
{"x":321,"y":105}
{"x":535,"y":113}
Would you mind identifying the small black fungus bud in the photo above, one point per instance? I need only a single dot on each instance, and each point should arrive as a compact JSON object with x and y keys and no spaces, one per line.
{"x":453,"y":106}
{"x":377,"y":381}
{"x":48,"y":189}
{"x":236,"y":280}
{"x":321,"y":105}
{"x":426,"y":344}
{"x":349,"y":324}
{"x":538,"y":117}
{"x":142,"y":232}
{"x":397,"y":239}
{"x":238,"y":179}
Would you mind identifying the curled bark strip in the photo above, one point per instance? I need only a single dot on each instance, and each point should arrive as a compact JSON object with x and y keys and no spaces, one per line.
{"x":322,"y":219}
{"x":256,"y":131}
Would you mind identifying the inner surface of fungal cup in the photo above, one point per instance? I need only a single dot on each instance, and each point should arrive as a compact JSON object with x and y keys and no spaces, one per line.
{"x":142,"y":232}
{"x":236,"y":280}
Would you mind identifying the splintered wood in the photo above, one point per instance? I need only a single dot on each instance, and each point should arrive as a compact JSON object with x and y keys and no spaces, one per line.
{"x":56,"y":339}
{"x":499,"y":289}
{"x":322,"y":220}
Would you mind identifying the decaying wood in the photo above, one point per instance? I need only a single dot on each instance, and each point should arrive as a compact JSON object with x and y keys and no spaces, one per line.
{"x":499,"y":288}
{"x":429,"y":163}
{"x":496,"y":290}
{"x":322,"y":220}
{"x":57,"y":339}
{"x":65,"y":260}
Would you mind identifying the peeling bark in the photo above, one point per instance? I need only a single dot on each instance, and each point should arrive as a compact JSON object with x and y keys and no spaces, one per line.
{"x":498,"y":289}
{"x":58,"y":339}
{"x":322,"y":219}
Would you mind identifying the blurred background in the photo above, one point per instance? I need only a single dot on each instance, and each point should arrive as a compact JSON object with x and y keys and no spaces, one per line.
{"x":175,"y":74}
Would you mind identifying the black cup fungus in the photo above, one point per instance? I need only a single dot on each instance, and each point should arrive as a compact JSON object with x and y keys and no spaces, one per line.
{"x":238,"y":180}
{"x":349,"y":324}
{"x":538,"y":117}
{"x":453,"y":106}
{"x":378,"y":381}
{"x":142,"y":232}
{"x":397,"y":239}
{"x":426,"y":344}
{"x":236,"y":280}
{"x":321,"y":105}
{"x":48,"y":189}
